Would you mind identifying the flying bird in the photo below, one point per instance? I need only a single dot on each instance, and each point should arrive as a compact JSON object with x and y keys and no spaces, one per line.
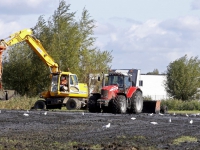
{"x":154,"y":123}
{"x":106,"y":126}
{"x":25,"y":114}
{"x":133,"y":118}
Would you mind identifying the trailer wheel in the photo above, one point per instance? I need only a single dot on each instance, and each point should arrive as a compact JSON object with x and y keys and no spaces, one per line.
{"x":92,"y":104}
{"x":73,"y":104}
{"x":40,"y":104}
{"x":119,"y":104}
{"x":137,"y":102}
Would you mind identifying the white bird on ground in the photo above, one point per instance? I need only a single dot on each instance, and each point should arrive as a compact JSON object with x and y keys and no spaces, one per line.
{"x":154,"y":123}
{"x":0,"y":111}
{"x":170,"y":120}
{"x":106,"y":126}
{"x":174,"y":113}
{"x":26,"y":114}
{"x":151,"y":114}
{"x":191,"y":121}
{"x":161,"y":114}
{"x":83,"y":113}
{"x":27,"y":111}
{"x":186,"y":115}
{"x":45,"y":113}
{"x":133,"y":118}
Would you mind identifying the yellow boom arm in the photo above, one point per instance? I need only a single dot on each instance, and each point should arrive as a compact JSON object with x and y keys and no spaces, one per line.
{"x":27,"y":35}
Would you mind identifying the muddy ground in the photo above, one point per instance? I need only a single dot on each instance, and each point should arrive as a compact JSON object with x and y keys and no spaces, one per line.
{"x":74,"y":130}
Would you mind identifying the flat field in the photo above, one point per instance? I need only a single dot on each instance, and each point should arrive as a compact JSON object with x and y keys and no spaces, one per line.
{"x":75,"y":130}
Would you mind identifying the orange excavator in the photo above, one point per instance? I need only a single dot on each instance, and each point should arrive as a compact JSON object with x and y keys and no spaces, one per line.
{"x":4,"y":94}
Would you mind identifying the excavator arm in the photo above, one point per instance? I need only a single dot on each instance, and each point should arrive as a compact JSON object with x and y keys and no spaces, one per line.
{"x":27,"y":36}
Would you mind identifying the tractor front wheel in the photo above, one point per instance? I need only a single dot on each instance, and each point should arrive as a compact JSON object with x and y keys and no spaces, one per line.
{"x":119,"y":104}
{"x":137,"y":102}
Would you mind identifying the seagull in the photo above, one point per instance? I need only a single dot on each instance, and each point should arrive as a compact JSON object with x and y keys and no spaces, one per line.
{"x":191,"y":121}
{"x":106,"y":126}
{"x":161,"y":114}
{"x":25,"y":114}
{"x":83,"y":113}
{"x":45,"y":113}
{"x":170,"y":120}
{"x":151,"y":114}
{"x":133,"y":118}
{"x":154,"y":123}
{"x":174,"y":114}
{"x":186,"y":115}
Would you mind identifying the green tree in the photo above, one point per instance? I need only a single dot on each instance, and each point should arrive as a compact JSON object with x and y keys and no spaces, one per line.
{"x":183,"y":78}
{"x":155,"y":72}
{"x":68,"y":41}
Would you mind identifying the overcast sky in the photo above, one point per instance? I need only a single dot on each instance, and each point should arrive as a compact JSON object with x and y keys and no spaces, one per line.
{"x":142,"y":34}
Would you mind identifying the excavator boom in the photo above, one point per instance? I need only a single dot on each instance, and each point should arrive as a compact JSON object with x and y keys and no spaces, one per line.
{"x":27,"y":36}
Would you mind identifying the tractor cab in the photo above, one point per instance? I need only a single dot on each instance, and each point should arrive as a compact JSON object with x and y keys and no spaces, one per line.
{"x":121,"y":80}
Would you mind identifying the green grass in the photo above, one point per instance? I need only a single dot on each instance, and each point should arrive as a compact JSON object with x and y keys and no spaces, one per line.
{"x":184,"y":111}
{"x":19,"y":103}
{"x":183,"y":139}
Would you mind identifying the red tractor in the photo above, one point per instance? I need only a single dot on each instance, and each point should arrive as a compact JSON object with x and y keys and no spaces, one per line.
{"x":121,"y":94}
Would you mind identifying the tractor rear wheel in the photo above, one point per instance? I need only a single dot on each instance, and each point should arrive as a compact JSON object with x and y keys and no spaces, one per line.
{"x":40,"y":104}
{"x":137,"y":102}
{"x":92,"y":104}
{"x":119,"y":104}
{"x":73,"y":104}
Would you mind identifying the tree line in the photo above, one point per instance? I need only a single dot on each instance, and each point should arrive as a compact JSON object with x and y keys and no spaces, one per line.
{"x":70,"y":42}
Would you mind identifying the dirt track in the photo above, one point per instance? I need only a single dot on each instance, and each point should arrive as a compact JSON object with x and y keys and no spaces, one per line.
{"x":73,"y":130}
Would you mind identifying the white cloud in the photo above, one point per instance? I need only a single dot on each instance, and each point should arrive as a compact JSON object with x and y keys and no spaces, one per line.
{"x":153,"y":44}
{"x":195,"y":4}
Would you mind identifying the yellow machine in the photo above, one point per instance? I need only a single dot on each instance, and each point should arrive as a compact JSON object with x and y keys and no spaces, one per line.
{"x":74,"y":94}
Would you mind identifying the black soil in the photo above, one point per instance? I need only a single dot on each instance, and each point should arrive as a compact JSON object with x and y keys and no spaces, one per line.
{"x":75,"y":130}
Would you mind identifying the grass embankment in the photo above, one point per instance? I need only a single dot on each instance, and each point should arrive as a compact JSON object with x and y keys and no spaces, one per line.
{"x":19,"y":103}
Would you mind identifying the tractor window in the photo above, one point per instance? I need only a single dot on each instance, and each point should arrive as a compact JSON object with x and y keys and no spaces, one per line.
{"x":127,"y":82}
{"x":114,"y":79}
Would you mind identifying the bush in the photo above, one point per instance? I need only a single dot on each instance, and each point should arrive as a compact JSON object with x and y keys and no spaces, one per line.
{"x":174,"y":104}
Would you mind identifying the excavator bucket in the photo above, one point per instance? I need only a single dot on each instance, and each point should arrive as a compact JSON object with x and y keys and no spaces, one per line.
{"x":151,"y":106}
{"x":6,"y":94}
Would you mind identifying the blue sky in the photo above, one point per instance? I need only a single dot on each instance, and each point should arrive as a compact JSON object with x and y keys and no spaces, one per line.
{"x":142,"y":34}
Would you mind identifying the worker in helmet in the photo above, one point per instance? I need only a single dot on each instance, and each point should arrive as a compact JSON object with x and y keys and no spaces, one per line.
{"x":64,"y":83}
